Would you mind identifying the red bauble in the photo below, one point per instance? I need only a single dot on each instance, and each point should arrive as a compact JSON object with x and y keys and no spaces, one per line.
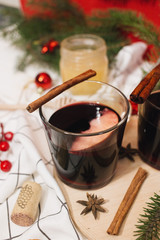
{"x":43,"y":80}
{"x":6,"y":165}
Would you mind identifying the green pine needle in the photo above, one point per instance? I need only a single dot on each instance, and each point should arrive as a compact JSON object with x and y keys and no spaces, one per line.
{"x":113,"y":25}
{"x":148,"y":227}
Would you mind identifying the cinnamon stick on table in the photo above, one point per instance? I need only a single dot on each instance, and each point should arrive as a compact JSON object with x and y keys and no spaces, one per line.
{"x":59,"y":89}
{"x":144,"y":88}
{"x":127,"y":201}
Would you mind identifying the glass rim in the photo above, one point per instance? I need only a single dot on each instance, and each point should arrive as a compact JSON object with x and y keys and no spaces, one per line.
{"x":94,"y":133}
{"x":84,"y":36}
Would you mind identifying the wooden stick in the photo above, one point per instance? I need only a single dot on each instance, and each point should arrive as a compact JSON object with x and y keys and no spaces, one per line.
{"x":127,"y":201}
{"x":59,"y":89}
{"x":144,"y":88}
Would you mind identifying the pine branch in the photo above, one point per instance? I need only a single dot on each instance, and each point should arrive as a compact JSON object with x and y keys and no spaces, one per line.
{"x":9,"y":16}
{"x":67,"y":19}
{"x":148,"y":227}
{"x":114,"y":25}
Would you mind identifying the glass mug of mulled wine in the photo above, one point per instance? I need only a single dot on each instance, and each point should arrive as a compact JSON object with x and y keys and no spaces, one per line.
{"x":84,"y":134}
{"x":149,"y":130}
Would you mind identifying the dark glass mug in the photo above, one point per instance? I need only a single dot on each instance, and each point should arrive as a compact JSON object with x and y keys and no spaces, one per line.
{"x":149,"y":130}
{"x":94,"y":166}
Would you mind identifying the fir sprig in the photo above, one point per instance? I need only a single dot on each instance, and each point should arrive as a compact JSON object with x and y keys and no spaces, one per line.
{"x":148,"y":227}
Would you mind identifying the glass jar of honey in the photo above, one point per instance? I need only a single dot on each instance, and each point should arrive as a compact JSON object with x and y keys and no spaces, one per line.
{"x":82,"y":52}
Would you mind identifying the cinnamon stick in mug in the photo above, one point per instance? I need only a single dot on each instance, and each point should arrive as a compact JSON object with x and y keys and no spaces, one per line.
{"x":144,"y":88}
{"x":59,"y":89}
{"x":127,"y":201}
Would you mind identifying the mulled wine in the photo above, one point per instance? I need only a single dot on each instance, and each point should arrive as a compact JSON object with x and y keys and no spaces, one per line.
{"x":84,"y":133}
{"x":149,"y":130}
{"x":86,"y":157}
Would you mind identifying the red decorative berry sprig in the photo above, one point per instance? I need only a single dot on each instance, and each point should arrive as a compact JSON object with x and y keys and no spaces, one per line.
{"x":49,"y":47}
{"x":5,"y":165}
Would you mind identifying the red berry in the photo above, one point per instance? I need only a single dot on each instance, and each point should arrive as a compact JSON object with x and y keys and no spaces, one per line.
{"x":52,"y":44}
{"x":8,"y":136}
{"x":4,"y":146}
{"x":6,"y":165}
{"x":44,"y":49}
{"x":49,"y":47}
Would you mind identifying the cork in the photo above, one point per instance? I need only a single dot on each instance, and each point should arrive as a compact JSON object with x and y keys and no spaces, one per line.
{"x":26,"y":207}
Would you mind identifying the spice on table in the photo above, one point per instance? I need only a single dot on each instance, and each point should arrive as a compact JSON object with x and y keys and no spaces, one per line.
{"x":128,"y":152}
{"x":93,"y":204}
{"x":25,"y":210}
{"x":127,"y":201}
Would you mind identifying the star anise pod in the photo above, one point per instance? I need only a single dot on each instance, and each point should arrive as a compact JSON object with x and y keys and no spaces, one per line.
{"x":128,"y":152}
{"x":92,"y":205}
